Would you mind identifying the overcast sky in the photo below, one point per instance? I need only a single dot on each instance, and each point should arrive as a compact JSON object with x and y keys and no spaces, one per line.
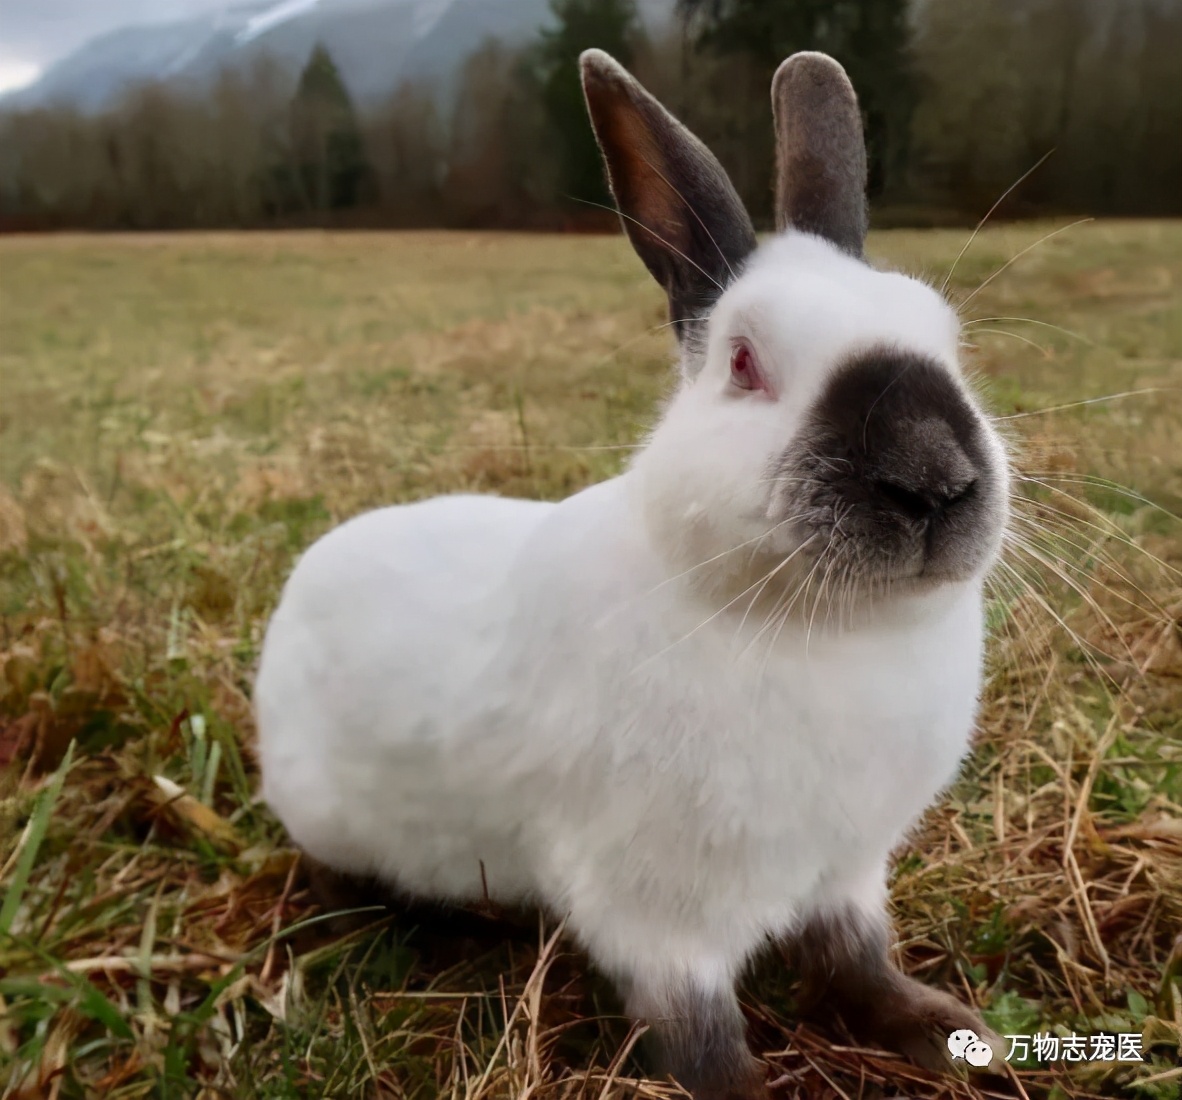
{"x":36,"y":32}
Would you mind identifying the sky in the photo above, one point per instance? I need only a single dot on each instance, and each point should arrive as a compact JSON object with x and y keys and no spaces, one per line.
{"x":34,"y":33}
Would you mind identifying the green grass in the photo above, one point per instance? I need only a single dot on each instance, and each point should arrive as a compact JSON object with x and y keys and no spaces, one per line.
{"x":181,"y":415}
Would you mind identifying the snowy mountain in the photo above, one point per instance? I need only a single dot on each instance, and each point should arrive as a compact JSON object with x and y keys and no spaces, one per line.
{"x":376,"y":44}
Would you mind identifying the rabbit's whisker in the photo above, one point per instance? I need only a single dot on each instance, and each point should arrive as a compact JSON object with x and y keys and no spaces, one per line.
{"x":779,"y":618}
{"x":752,"y":542}
{"x":697,"y":217}
{"x":1085,"y":401}
{"x":1015,"y":591}
{"x":752,"y":602}
{"x":1106,"y":526}
{"x":849,"y":594}
{"x":1107,"y":562}
{"x":785,"y":479}
{"x":1086,"y":649}
{"x":542,"y":447}
{"x":656,"y":236}
{"x":1037,"y":529}
{"x":826,"y":578}
{"x":1031,"y":321}
{"x":730,"y":603}
{"x":1101,"y":483}
{"x":1046,"y":352}
{"x":989,"y":213}
{"x":1060,"y":524}
{"x":775,"y":611}
{"x":768,"y":578}
{"x":1014,"y":259}
{"x":1051,"y":563}
{"x":787,"y":612}
{"x":650,"y":331}
{"x":624,"y":605}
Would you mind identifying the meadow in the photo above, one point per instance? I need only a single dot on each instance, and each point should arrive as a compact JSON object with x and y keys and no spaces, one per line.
{"x":180,"y":415}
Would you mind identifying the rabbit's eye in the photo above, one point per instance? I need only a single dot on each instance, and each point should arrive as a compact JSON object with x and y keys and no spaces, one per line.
{"x":744,"y":371}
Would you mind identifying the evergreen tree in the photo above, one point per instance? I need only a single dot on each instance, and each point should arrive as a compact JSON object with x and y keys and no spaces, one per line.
{"x":328,"y":151}
{"x":609,"y":25}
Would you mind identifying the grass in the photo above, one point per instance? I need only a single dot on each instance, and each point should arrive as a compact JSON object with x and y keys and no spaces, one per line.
{"x":181,"y":415}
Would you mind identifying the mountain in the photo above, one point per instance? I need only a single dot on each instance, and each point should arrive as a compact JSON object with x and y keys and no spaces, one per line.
{"x":376,"y":44}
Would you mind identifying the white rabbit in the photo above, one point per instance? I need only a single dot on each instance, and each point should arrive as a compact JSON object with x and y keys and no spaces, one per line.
{"x":692,"y":708}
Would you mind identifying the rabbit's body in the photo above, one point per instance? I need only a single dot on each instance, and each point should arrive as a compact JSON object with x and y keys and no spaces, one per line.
{"x":621,"y":762}
{"x":692,"y":708}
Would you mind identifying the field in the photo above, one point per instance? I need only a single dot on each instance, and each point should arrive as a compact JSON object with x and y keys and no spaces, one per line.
{"x":181,"y":415}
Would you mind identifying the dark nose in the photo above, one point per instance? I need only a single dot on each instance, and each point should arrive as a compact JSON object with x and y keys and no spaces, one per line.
{"x":923,"y":503}
{"x":925,"y":473}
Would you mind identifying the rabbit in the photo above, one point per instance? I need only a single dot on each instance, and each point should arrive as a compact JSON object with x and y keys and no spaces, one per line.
{"x":693,"y":708}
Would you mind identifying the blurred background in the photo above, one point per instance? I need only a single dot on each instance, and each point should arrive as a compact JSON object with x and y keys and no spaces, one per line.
{"x":183,"y":413}
{"x":129,"y":114}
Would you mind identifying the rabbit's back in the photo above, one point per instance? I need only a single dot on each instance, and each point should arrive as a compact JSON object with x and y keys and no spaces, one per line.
{"x":384,"y":624}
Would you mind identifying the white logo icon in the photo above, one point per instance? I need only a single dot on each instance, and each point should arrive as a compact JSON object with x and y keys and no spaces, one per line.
{"x":965,"y":1044}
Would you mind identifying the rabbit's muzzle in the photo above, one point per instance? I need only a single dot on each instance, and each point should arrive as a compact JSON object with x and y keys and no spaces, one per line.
{"x":894,"y":477}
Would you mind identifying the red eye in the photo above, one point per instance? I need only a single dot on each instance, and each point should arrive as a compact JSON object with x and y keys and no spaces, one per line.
{"x":744,"y":372}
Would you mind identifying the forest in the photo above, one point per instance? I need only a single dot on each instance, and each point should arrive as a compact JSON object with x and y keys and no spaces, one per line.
{"x":961,"y":98}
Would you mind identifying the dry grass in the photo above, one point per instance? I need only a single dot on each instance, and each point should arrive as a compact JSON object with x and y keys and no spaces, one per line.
{"x":180,"y":415}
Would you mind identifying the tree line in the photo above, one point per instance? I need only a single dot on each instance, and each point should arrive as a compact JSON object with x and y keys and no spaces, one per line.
{"x":960,"y":98}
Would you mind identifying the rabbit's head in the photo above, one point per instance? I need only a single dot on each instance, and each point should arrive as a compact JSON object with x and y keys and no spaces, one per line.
{"x":822,"y":433}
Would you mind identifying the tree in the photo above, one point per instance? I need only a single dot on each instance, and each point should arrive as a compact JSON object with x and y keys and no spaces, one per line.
{"x":610,"y":25}
{"x":868,"y":37}
{"x":406,"y":136}
{"x":500,"y":170}
{"x":1096,"y":86}
{"x":329,"y":155}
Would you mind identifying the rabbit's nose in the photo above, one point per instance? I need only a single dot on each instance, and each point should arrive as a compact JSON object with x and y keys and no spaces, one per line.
{"x":926,"y":473}
{"x":925,"y":502}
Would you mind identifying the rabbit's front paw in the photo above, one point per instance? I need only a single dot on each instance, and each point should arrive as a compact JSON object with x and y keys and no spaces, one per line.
{"x":934,"y":1029}
{"x":699,"y":1035}
{"x":845,"y":964}
{"x":745,"y":1082}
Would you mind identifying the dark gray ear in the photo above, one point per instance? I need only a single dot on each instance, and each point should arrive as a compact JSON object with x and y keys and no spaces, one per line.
{"x":677,"y":204}
{"x":820,"y":151}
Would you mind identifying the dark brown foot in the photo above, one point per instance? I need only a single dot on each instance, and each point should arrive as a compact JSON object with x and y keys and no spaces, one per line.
{"x":916,"y":1020}
{"x":847,"y":971}
{"x":700,"y":1040}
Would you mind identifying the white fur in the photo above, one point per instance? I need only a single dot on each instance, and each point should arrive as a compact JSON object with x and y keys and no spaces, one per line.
{"x":544,"y":691}
{"x":805,"y":307}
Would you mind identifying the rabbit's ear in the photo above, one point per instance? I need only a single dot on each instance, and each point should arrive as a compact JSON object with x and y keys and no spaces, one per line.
{"x":677,"y":205}
{"x":820,"y":152}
